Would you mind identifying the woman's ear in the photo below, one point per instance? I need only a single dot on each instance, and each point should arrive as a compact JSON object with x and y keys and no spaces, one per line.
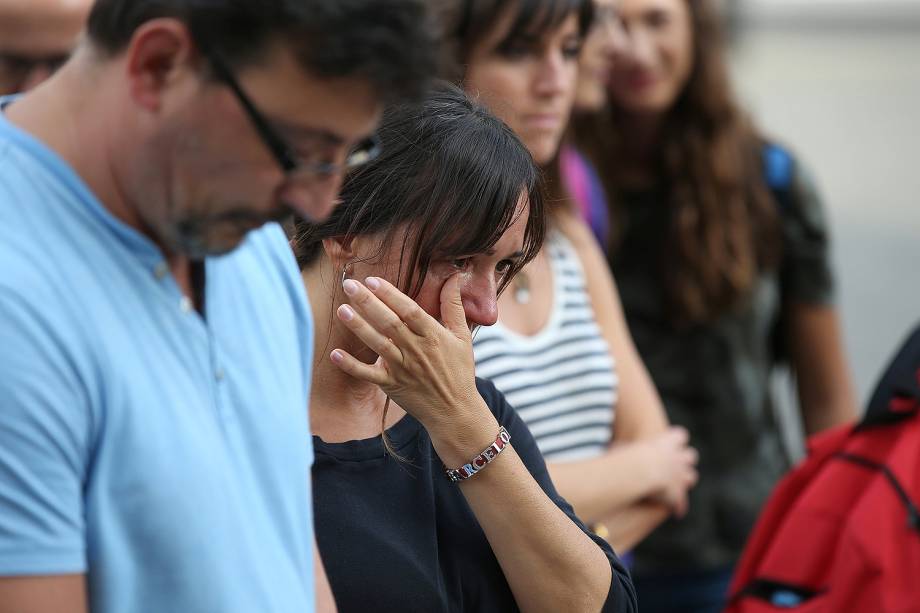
{"x":339,"y":250}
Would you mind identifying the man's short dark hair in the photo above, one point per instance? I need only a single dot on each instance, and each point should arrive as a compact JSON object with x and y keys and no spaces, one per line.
{"x":390,"y":43}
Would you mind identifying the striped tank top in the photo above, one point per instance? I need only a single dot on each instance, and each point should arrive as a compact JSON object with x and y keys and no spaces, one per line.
{"x":562,"y":380}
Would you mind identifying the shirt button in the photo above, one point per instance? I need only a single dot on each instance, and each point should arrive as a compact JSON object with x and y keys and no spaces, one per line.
{"x":186,"y":304}
{"x":160,"y":271}
{"x":219,"y":374}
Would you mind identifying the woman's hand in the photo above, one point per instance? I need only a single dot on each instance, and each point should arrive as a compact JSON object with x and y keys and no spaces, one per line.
{"x":673,"y":468}
{"x":425,"y":366}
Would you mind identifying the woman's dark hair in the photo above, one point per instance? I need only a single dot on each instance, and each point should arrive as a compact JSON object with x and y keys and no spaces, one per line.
{"x":466,"y":23}
{"x":390,"y":43}
{"x":450,"y":173}
{"x":724,"y":226}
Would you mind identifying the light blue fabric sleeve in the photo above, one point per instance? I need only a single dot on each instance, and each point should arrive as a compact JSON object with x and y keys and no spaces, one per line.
{"x":44,"y":430}
{"x":279,"y":249}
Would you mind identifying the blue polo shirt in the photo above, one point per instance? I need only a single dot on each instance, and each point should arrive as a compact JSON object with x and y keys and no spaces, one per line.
{"x":163,"y":453}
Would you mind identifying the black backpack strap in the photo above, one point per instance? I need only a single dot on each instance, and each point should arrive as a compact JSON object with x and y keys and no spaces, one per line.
{"x":778,"y":174}
{"x":897,"y":395}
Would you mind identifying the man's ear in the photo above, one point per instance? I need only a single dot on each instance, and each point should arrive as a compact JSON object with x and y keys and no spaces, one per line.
{"x":160,"y":51}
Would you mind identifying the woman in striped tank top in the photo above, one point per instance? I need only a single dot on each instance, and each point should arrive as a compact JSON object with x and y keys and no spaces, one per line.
{"x":560,"y":322}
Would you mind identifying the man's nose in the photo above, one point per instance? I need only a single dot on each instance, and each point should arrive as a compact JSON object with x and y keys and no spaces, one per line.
{"x":312,"y":200}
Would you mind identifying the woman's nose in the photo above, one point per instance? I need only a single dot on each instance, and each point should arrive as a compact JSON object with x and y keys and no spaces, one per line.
{"x":551,"y":76}
{"x":641,"y":51}
{"x":619,"y":41}
{"x":480,"y":302}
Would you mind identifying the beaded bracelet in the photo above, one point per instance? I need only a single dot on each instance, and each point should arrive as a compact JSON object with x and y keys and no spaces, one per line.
{"x":479,"y":462}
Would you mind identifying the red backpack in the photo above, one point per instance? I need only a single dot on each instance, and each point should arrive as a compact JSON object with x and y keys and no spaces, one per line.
{"x":841,"y":532}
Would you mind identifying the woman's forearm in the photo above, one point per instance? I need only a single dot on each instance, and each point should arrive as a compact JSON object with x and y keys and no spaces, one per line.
{"x":549,"y":562}
{"x":602,"y":486}
{"x":627,"y":528}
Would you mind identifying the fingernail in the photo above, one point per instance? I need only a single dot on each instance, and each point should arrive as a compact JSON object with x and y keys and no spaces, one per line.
{"x":350,"y":286}
{"x":373,"y":283}
{"x":336,"y":356}
{"x":346,"y":312}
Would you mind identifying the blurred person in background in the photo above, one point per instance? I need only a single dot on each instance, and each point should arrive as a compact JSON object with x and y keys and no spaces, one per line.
{"x":606,"y":41}
{"x":720,"y":246}
{"x":155,"y":337}
{"x":426,"y":238}
{"x":560,"y":325}
{"x":36,"y":37}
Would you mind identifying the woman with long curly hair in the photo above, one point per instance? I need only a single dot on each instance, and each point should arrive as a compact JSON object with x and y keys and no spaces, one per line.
{"x":719,"y":245}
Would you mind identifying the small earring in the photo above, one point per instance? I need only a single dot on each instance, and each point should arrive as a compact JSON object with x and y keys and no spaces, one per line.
{"x":345,"y":271}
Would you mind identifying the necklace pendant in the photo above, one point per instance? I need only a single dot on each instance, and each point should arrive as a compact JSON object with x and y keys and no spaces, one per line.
{"x":522,"y":295}
{"x":520,"y":288}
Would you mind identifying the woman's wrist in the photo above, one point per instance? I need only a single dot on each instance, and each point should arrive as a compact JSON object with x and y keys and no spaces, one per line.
{"x":459,"y":437}
{"x":488,"y":455}
{"x":644,"y":464}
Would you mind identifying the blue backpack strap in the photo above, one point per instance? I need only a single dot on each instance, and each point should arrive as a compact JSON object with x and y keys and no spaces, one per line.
{"x":777,"y":166}
{"x":778,"y":172}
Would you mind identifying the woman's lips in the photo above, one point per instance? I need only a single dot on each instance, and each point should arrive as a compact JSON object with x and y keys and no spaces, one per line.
{"x":543,"y":121}
{"x":638,"y":81}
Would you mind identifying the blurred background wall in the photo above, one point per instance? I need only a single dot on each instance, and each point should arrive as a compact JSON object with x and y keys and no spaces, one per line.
{"x":839,"y":81}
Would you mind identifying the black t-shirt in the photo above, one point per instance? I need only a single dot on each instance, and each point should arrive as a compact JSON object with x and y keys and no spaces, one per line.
{"x":398,"y":536}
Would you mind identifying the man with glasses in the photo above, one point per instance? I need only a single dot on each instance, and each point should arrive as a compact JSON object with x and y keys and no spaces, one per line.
{"x":155,"y":340}
{"x":36,"y":36}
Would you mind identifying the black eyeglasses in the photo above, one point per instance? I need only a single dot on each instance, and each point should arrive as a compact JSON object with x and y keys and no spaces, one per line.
{"x":293,"y":165}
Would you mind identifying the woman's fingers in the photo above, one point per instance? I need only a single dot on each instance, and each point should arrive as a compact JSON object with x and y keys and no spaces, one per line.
{"x":424,"y":366}
{"x":350,"y":365}
{"x":370,"y":335}
{"x":376,"y":313}
{"x":452,"y":313}
{"x":409,"y":314}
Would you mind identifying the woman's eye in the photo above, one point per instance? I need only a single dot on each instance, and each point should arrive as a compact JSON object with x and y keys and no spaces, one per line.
{"x":571,"y":51}
{"x":657,"y":19}
{"x":504,"y":267}
{"x":516,"y":51}
{"x":460,"y":263}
